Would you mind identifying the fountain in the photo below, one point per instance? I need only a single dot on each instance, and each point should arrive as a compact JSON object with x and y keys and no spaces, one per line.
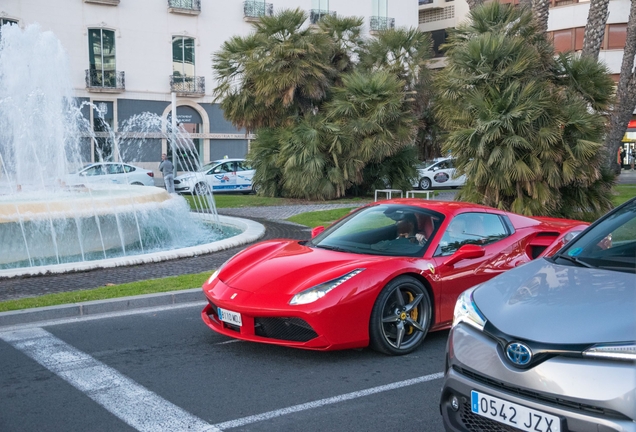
{"x":47,"y":225}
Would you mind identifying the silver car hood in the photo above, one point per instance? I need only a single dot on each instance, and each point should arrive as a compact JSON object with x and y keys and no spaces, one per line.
{"x":551,"y":303}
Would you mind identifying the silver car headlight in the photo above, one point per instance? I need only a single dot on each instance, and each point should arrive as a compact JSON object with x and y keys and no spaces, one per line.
{"x":466,"y":311}
{"x":624,"y":351}
{"x":319,"y":291}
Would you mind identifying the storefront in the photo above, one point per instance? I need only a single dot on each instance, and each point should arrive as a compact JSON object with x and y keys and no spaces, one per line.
{"x":629,"y":144}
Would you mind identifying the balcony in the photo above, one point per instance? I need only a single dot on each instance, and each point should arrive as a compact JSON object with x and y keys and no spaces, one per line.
{"x":104,"y":2}
{"x":186,"y":7}
{"x":254,"y":10}
{"x":316,"y":15}
{"x":377,"y":24}
{"x":432,"y":4}
{"x":187,"y":86}
{"x":98,"y":81}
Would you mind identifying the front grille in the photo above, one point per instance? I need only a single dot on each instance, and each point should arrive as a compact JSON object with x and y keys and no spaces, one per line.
{"x":473,"y":422}
{"x":540,"y":397}
{"x":291,"y":329}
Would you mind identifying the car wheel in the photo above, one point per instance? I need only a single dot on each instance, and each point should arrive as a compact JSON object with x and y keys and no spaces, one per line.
{"x":453,"y":187}
{"x":425,"y":183}
{"x":401,"y":317}
{"x":201,"y":189}
{"x":137,"y":184}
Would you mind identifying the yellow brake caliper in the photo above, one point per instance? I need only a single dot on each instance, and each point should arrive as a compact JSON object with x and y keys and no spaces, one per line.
{"x":413,"y":313}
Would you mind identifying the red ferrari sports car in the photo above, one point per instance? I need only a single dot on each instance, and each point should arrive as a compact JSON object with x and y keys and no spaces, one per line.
{"x":383,"y":276}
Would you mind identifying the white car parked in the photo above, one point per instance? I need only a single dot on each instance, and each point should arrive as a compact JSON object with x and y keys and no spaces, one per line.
{"x":225,"y":175}
{"x":112,"y":172}
{"x":439,"y":173}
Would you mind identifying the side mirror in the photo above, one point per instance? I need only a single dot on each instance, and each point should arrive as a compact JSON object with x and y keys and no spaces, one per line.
{"x":317,"y":230}
{"x":465,"y":252}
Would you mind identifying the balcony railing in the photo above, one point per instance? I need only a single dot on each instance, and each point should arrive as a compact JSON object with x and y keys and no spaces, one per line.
{"x":377,"y":23}
{"x":187,"y":85}
{"x":316,"y":15}
{"x":253,"y":10}
{"x":188,"y":7}
{"x":104,"y":2}
{"x":105,"y":81}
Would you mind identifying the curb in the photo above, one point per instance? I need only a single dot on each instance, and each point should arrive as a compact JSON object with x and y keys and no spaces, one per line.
{"x":97,"y":307}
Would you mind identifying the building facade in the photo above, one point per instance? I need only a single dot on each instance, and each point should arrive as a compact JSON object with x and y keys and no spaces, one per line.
{"x":128,"y":57}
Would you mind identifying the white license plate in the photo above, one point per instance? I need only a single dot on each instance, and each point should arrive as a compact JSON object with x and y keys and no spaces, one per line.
{"x":512,"y":414}
{"x":230,"y":317}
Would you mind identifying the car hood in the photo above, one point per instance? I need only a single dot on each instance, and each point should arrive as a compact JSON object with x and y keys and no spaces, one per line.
{"x":185,"y":176}
{"x":551,"y":303}
{"x":288,"y":267}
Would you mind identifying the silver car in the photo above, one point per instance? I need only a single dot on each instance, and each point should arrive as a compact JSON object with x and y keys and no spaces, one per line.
{"x":550,"y":346}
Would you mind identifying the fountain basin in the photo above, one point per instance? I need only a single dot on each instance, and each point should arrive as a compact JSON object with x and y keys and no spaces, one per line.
{"x":250,"y":231}
{"x":45,"y":229}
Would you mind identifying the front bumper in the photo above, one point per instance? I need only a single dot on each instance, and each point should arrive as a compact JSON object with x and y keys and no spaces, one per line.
{"x":587,"y":395}
{"x":315,"y":327}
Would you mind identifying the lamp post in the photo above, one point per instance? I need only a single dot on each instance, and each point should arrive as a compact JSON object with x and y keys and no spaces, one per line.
{"x":173,"y":135}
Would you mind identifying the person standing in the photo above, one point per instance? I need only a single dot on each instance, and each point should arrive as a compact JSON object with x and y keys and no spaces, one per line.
{"x":167,"y":169}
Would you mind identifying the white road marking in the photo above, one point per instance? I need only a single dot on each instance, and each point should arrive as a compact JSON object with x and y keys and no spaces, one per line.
{"x":229,"y":342}
{"x":132,"y":403}
{"x":322,"y":402}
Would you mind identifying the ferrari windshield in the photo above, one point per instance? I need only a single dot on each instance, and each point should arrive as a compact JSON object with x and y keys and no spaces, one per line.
{"x":389,"y":229}
{"x":611,"y":244}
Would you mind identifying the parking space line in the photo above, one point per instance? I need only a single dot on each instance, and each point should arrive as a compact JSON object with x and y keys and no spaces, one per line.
{"x":328,"y":401}
{"x":121,"y":396}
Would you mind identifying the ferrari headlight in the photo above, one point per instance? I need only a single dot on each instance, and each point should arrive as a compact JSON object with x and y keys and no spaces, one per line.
{"x":319,"y":291}
{"x":466,"y":311}
{"x":214,"y":275}
{"x":624,"y":351}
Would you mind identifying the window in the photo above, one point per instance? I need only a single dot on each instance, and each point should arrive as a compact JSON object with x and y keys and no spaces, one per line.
{"x":129,"y":168}
{"x":471,"y":228}
{"x":616,"y":36}
{"x":94,"y":170}
{"x":579,"y":34}
{"x":115,"y":169}
{"x":5,"y":21}
{"x":562,"y":40}
{"x":101,"y":54}
{"x":183,"y":57}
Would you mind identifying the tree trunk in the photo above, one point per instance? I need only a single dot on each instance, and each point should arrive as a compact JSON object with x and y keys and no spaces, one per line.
{"x":472,"y":4}
{"x":541,"y":11}
{"x":595,"y":28}
{"x":625,"y":95}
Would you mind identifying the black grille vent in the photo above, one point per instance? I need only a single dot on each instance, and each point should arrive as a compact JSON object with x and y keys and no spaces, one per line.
{"x":291,"y":329}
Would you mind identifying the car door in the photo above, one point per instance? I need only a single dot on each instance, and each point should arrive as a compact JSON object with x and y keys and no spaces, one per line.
{"x":244,"y":174}
{"x":223,"y":176}
{"x":441,"y":173}
{"x":93,"y":174}
{"x":116,"y":173}
{"x":487,"y":230}
{"x":454,"y":179}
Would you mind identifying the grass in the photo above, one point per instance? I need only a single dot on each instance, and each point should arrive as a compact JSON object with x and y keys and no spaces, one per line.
{"x":173,"y":283}
{"x":237,"y":201}
{"x":623,"y":193}
{"x":322,"y":217}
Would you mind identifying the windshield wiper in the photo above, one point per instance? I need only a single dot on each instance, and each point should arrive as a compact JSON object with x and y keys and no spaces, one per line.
{"x":333,"y":248}
{"x":574,"y":260}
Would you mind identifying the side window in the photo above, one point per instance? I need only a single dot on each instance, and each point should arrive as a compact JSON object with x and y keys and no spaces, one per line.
{"x":95,"y":170}
{"x":115,"y":169}
{"x":129,"y":168}
{"x":471,"y":228}
{"x":218,"y":169}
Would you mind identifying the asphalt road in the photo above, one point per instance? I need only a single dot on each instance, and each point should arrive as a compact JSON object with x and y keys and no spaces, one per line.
{"x":166,"y":371}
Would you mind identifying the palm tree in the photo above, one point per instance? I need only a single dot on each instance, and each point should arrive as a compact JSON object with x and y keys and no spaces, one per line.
{"x":595,"y":28}
{"x":523,"y":129}
{"x":625,"y":95}
{"x":280,"y":47}
{"x":405,"y":53}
